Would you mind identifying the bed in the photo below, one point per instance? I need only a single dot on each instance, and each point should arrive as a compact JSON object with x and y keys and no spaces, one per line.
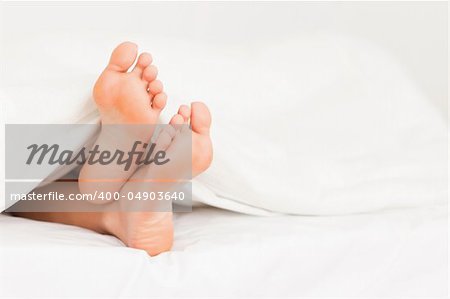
{"x":221,"y":253}
{"x":356,"y":113}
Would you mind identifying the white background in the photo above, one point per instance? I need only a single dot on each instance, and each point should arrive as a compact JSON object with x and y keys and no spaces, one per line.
{"x":414,"y":32}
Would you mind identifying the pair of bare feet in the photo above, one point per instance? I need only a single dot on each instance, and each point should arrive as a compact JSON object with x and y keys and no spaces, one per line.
{"x":136,"y":97}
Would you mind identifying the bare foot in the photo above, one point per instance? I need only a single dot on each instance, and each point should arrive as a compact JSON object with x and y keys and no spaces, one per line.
{"x":153,"y":231}
{"x":146,"y":229}
{"x":134,"y":97}
{"x":130,"y":103}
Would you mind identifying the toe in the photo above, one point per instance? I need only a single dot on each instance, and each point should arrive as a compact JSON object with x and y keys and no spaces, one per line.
{"x":176,"y":120}
{"x":123,"y":57}
{"x":144,"y":61}
{"x":150,"y":73}
{"x":185,"y":112}
{"x":200,"y":118}
{"x":155,"y":87}
{"x":159,"y":101}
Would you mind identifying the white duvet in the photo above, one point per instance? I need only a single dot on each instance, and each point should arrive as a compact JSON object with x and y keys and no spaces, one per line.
{"x":315,"y":125}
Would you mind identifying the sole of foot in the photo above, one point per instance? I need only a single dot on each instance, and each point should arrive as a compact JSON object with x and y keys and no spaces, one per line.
{"x":153,"y":231}
{"x":125,"y":96}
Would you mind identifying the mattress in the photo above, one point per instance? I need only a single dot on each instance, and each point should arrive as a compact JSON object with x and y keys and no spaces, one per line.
{"x":217,"y":252}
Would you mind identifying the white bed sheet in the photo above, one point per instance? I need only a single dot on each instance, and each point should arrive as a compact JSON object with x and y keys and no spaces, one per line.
{"x":216,"y":252}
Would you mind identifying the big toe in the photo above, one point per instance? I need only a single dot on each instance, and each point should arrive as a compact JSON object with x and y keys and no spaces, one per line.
{"x":200,"y":118}
{"x":123,"y":57}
